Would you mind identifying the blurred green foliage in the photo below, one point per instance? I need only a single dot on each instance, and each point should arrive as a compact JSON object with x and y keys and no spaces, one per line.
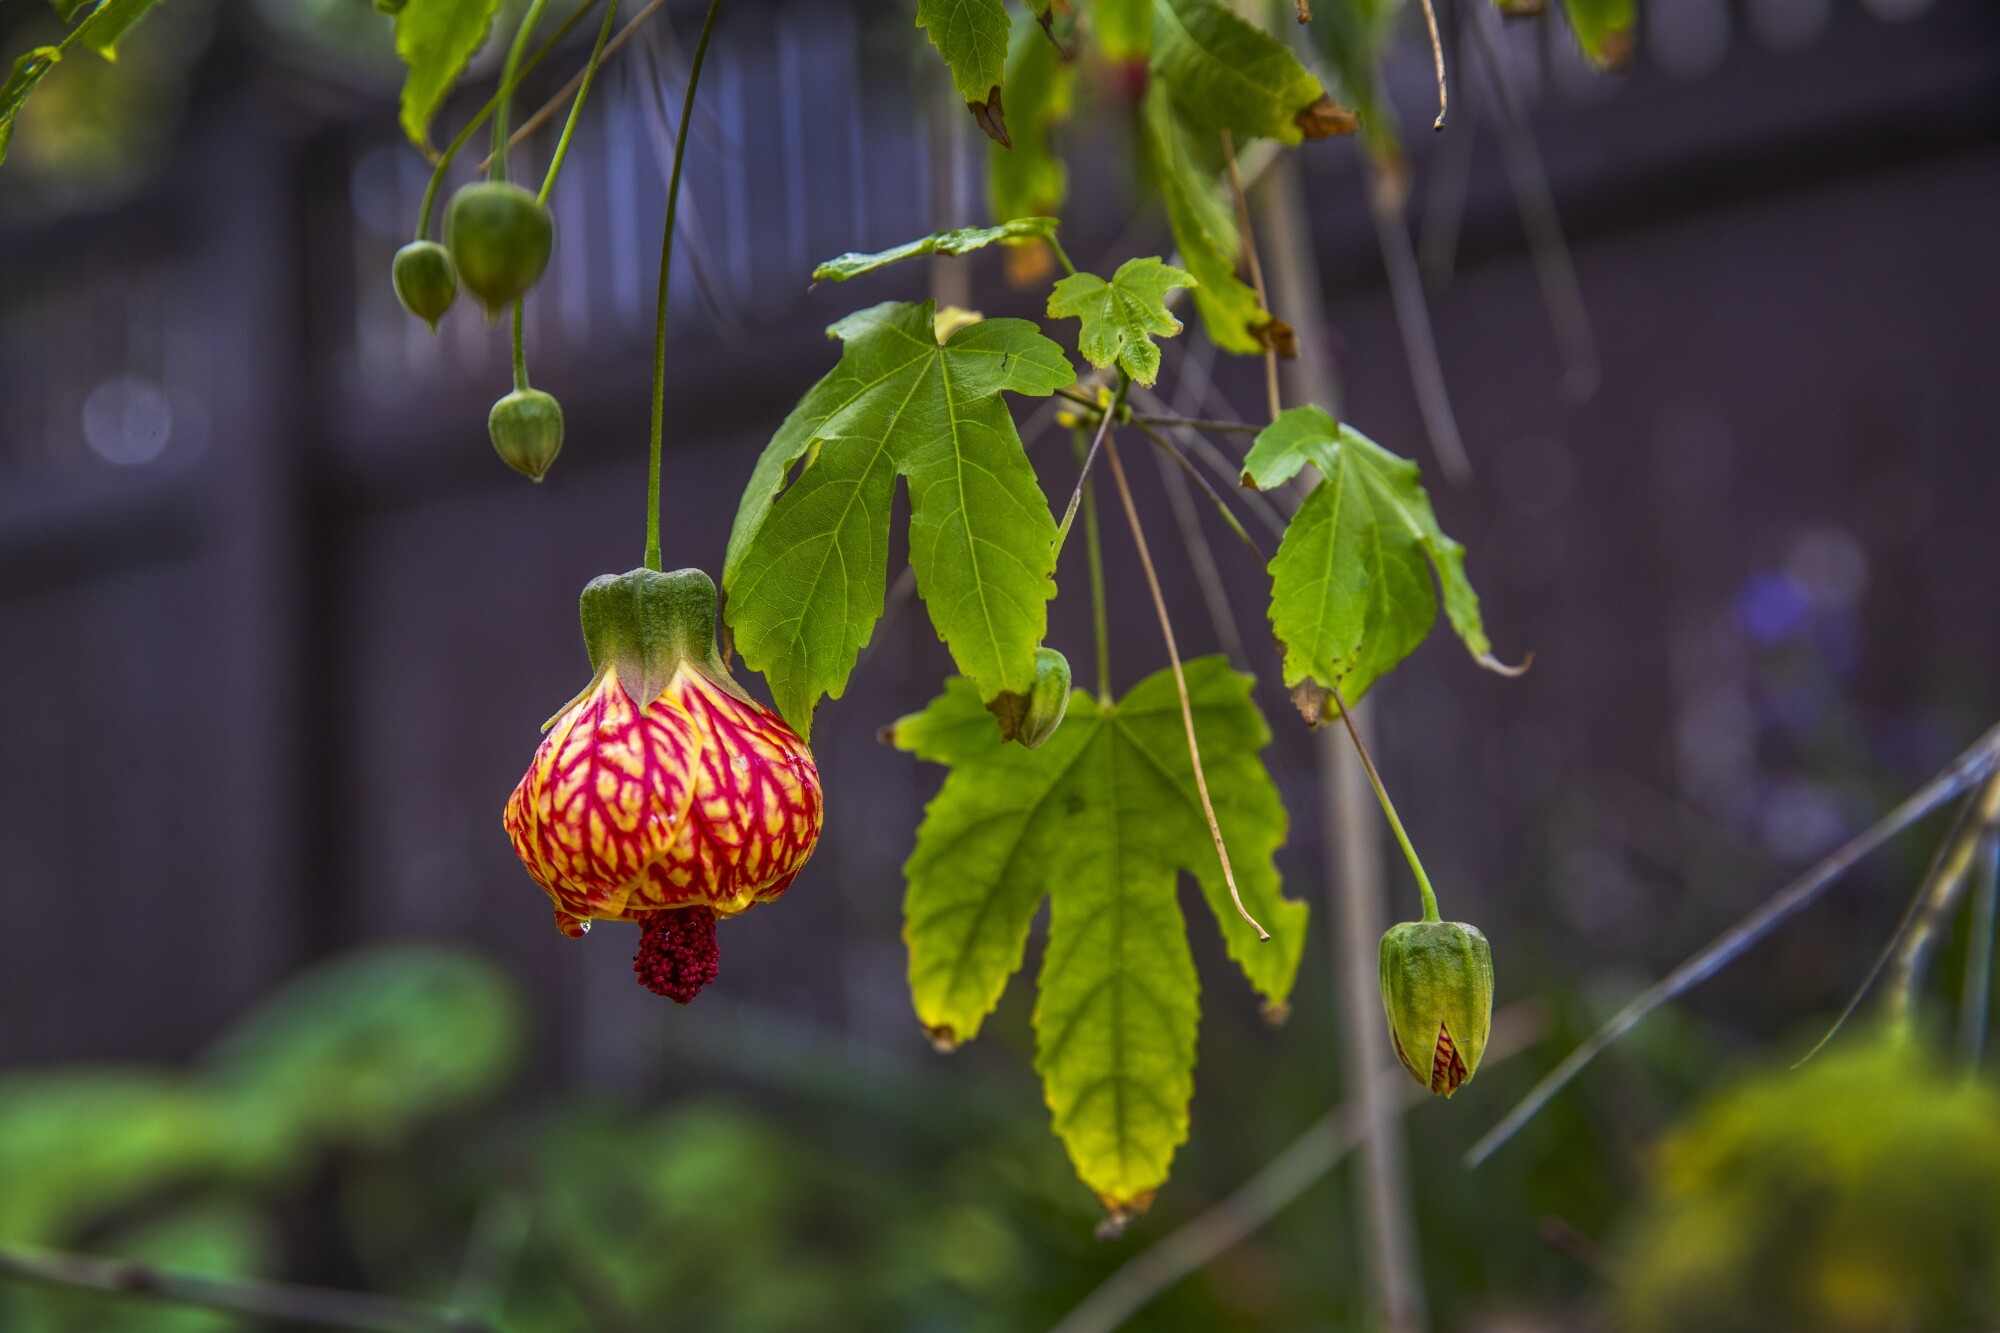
{"x":1860,"y":1192}
{"x":363,"y":1128}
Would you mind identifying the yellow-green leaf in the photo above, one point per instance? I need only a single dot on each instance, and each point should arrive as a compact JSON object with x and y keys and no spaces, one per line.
{"x":963,"y":240}
{"x":1603,"y":29}
{"x":1121,"y":317}
{"x":436,"y":39}
{"x":1351,"y":584}
{"x":1204,"y":228}
{"x":1101,"y":819}
{"x":1124,"y":28}
{"x":1229,"y":74}
{"x":806,"y":570}
{"x":1031,"y":179}
{"x":971,"y":35}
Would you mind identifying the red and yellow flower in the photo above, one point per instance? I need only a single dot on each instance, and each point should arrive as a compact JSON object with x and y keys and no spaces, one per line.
{"x":663,"y":794}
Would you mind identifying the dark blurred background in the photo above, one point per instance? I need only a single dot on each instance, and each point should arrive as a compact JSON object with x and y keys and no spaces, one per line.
{"x":277,"y":631}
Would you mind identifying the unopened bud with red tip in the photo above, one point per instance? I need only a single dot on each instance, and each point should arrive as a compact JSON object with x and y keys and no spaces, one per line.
{"x":663,"y":794}
{"x":527,"y":431}
{"x":1437,"y":989}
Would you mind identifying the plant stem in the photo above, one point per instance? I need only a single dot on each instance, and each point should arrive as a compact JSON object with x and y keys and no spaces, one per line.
{"x":582,"y":82}
{"x":319,"y":1306}
{"x":1100,"y":621}
{"x":1104,"y":416}
{"x":1166,"y":447}
{"x":1062,"y":256}
{"x":1389,"y":809}
{"x":492,"y":104}
{"x":666,"y":271}
{"x":1437,"y":57}
{"x":520,"y":352}
{"x":1952,"y":874}
{"x":1974,"y":998}
{"x":1180,"y":683}
{"x":1236,"y":191}
{"x":1970,"y":768}
{"x":554,"y":104}
{"x":496,"y":167}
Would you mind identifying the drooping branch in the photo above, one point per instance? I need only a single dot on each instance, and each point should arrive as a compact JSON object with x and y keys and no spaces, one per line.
{"x":319,"y":1307}
{"x":1970,"y":768}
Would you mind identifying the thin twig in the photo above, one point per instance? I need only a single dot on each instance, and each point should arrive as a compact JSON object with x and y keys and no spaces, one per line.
{"x":1201,"y":554}
{"x":1236,"y":191}
{"x":321,"y":1307}
{"x":1180,"y":682}
{"x":1942,"y":900}
{"x":1975,"y":994}
{"x":1437,"y":57}
{"x":664,"y":134}
{"x":556,"y":103}
{"x":1895,"y":941}
{"x":1228,"y":471}
{"x":1199,"y":423}
{"x":1970,"y":767}
{"x":1413,"y":321}
{"x":1166,"y":447}
{"x":1548,"y":249}
{"x":1281,"y":1180}
{"x":1104,"y":415}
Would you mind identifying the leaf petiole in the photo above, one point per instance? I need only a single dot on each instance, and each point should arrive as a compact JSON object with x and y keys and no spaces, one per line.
{"x":1388,"y":808}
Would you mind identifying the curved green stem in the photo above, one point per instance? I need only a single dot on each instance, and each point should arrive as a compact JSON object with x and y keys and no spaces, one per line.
{"x":666,"y":271}
{"x":509,"y":76}
{"x":576,"y":107}
{"x":1062,"y":256}
{"x":1389,"y":809}
{"x":464,"y":136}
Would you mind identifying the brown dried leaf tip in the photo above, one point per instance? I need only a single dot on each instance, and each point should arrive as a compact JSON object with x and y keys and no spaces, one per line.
{"x":1279,"y":336}
{"x":1326,"y":118}
{"x":1523,"y":9}
{"x":1615,"y":51}
{"x":1304,"y":10}
{"x":992,"y":118}
{"x":1119,"y":1215}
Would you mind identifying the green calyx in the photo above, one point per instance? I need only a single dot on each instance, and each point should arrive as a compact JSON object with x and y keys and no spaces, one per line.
{"x":1033,"y":717}
{"x":527,"y":431}
{"x":500,"y":238}
{"x":1437,"y":990}
{"x":644,"y":625}
{"x":426,"y":280}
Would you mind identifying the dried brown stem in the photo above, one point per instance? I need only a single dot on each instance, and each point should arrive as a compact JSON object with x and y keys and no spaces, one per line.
{"x":1180,"y":681}
{"x":1256,"y":268}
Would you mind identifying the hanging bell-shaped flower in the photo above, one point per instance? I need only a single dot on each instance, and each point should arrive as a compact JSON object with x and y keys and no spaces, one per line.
{"x":663,"y":794}
{"x":1437,"y":989}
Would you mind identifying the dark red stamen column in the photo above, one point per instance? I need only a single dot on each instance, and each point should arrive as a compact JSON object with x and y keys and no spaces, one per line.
{"x":677,"y":954}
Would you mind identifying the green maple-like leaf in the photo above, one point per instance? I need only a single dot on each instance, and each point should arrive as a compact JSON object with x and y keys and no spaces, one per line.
{"x":1101,"y":819}
{"x":1204,"y":227}
{"x":1031,"y":179}
{"x":1121,"y":316}
{"x":971,"y":35}
{"x":436,"y":38}
{"x":1603,"y":29}
{"x":961,"y":241}
{"x":1124,"y":28}
{"x":806,"y":569}
{"x":101,"y":30}
{"x":1229,"y":74}
{"x":1351,"y":587}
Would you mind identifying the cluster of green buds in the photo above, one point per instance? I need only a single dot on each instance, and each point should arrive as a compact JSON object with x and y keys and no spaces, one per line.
{"x":497,"y":241}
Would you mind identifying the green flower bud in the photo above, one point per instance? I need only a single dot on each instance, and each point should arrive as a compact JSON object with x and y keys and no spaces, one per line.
{"x":1031,"y":717}
{"x":1048,"y":698}
{"x":527,"y":431}
{"x":1437,"y":989}
{"x":426,"y":280}
{"x":500,"y":237}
